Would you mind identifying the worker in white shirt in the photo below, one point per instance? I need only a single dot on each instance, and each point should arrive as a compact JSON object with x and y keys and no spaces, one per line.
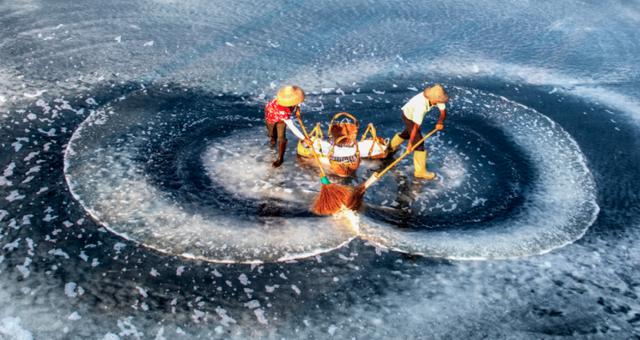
{"x":413,"y":113}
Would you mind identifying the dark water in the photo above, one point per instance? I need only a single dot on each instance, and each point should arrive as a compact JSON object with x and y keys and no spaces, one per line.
{"x":133,"y":161}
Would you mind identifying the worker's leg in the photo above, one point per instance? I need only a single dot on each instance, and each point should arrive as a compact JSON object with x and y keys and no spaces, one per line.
{"x":419,"y":153}
{"x":271,"y":133}
{"x":420,"y":161}
{"x":399,"y":138}
{"x":281,"y":129}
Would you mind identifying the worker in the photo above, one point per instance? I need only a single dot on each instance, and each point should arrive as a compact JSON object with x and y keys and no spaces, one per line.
{"x":278,"y":114}
{"x":413,"y":113}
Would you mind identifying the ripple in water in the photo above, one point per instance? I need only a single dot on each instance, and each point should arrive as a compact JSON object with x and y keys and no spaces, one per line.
{"x":556,"y":207}
{"x":191,"y":175}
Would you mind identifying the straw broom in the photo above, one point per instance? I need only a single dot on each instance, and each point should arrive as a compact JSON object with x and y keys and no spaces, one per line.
{"x":332,"y":197}
{"x":357,"y":196}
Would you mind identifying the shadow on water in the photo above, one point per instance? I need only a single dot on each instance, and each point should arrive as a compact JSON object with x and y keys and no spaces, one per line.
{"x":511,"y":178}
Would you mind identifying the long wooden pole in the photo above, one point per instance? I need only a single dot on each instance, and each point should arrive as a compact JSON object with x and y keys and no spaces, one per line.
{"x":377,"y":175}
{"x":313,"y":151}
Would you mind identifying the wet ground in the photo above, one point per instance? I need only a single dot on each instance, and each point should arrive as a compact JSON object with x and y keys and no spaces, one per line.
{"x":137,"y":198}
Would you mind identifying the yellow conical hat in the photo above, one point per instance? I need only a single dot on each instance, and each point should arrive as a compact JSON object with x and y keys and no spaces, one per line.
{"x":436,"y":94}
{"x":290,"y":96}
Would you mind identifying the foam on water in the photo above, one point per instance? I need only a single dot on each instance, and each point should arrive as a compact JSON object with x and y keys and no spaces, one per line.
{"x":598,"y":88}
{"x":132,"y":208}
{"x":12,"y":328}
{"x":115,"y":188}
{"x":558,"y":209}
{"x":583,"y":53}
{"x":241,"y":163}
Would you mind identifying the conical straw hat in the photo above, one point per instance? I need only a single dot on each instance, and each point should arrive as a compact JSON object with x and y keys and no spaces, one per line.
{"x":290,"y":96}
{"x":436,"y":94}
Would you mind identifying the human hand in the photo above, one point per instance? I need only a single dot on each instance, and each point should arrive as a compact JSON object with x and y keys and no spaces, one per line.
{"x":439,"y":127}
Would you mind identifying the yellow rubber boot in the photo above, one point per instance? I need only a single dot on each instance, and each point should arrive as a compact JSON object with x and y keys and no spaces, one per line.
{"x":420,"y":166}
{"x":396,"y":141}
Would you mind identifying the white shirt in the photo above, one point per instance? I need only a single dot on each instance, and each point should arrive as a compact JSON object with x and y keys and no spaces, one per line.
{"x":417,"y":107}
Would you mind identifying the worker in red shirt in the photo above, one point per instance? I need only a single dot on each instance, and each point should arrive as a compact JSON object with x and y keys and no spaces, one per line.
{"x":278,"y":114}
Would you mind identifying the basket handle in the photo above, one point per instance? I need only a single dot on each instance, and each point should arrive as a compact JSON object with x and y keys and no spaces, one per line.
{"x":339,"y":115}
{"x":316,"y":134}
{"x":371,"y":130}
{"x":374,"y":135}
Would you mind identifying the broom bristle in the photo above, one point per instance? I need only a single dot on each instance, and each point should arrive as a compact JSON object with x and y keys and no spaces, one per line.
{"x":331,"y":199}
{"x":357,"y":197}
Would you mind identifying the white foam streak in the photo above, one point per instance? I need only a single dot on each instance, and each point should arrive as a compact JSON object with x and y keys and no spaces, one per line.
{"x":128,"y":205}
{"x":588,"y":87}
{"x":584,"y":87}
{"x":558,"y":209}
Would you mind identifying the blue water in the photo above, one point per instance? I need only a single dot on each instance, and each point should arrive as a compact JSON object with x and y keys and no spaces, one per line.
{"x":137,"y":198}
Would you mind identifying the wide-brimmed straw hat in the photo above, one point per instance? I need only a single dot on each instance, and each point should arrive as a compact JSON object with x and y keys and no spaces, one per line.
{"x":436,"y":94}
{"x":290,"y":96}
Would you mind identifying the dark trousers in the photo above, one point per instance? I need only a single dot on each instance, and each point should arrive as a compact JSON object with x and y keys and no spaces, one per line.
{"x":406,"y":133}
{"x":277,"y":130}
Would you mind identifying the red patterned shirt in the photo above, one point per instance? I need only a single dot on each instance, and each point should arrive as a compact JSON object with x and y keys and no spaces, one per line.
{"x":275,"y":113}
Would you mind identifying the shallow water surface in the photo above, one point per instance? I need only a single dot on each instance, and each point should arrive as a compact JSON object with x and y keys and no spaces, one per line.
{"x":137,"y":199}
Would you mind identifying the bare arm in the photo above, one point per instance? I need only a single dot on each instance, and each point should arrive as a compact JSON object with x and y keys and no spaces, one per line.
{"x":440,"y":123}
{"x":414,"y":132}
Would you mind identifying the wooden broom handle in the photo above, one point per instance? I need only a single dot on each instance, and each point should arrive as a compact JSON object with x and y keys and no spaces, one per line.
{"x":405,"y":154}
{"x":313,"y":151}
